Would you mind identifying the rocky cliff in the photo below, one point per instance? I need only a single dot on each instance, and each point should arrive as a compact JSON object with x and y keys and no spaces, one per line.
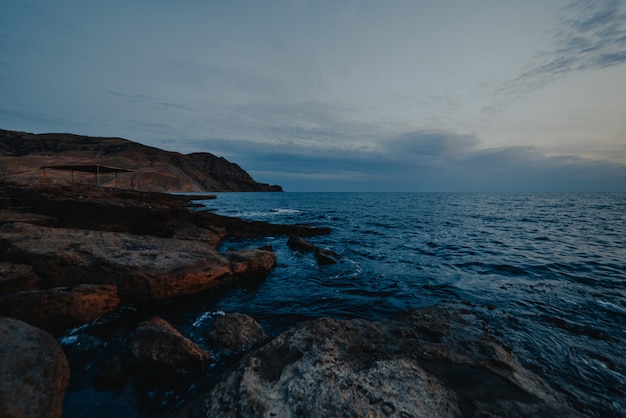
{"x":23,"y":154}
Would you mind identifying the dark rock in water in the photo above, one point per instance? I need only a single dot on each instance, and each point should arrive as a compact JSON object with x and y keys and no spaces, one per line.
{"x":17,"y":277}
{"x":251,"y":264}
{"x":322,"y":255}
{"x":112,"y":375}
{"x":430,"y":363}
{"x":158,"y":350}
{"x":60,"y":308}
{"x":300,"y":244}
{"x":326,"y":257}
{"x":34,"y":372}
{"x":243,"y":229}
{"x":237,"y":332}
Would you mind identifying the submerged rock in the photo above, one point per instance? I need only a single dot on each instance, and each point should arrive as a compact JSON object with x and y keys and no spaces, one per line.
{"x":430,"y":363}
{"x":60,"y":308}
{"x":237,"y":332}
{"x":34,"y":372}
{"x":158,"y":350}
{"x":323,"y":256}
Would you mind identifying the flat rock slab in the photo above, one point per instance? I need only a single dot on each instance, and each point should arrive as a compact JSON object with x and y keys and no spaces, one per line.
{"x":34,"y":372}
{"x":17,"y":277}
{"x":142,"y":267}
{"x":60,"y":308}
{"x":430,"y":363}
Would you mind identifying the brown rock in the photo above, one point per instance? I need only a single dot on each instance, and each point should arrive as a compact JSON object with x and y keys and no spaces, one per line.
{"x":431,"y":363}
{"x":237,"y":332}
{"x":158,"y":349}
{"x":60,"y":308}
{"x":16,"y":277}
{"x":143,"y":267}
{"x":33,"y":371}
{"x":251,"y":264}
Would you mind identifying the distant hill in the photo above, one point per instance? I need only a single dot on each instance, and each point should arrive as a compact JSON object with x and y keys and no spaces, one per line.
{"x":23,"y":154}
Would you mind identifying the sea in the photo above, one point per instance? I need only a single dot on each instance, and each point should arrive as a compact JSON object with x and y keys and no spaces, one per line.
{"x":545,"y":271}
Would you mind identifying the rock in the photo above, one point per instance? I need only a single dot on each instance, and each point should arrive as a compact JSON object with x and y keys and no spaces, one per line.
{"x":251,"y":264}
{"x":112,"y":375}
{"x":60,"y":308}
{"x":430,"y":363}
{"x":300,"y":244}
{"x":158,"y":350}
{"x":322,"y":255}
{"x":326,"y":257}
{"x":16,"y":277}
{"x":34,"y":372}
{"x":144,"y":268}
{"x":237,"y":332}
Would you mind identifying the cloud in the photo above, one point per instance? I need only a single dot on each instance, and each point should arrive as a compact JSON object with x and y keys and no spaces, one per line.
{"x":593,"y":37}
{"x":419,"y":161}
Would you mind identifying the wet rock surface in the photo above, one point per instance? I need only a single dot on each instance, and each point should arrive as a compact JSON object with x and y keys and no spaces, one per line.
{"x":237,"y":332}
{"x":33,"y":371}
{"x":158,"y":350}
{"x":431,"y":362}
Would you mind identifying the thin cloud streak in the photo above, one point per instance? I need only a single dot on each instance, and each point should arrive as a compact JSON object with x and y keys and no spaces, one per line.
{"x":594,"y":38}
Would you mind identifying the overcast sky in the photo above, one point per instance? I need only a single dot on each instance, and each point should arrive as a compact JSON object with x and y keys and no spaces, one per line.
{"x":448,"y":95}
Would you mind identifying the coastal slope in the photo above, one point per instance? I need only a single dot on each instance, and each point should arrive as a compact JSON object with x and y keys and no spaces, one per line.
{"x":23,"y":154}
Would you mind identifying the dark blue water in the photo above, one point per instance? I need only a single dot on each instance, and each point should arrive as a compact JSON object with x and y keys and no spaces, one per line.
{"x":546,"y":271}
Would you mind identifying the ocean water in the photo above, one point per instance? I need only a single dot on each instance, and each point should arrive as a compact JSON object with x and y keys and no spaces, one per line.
{"x":547,"y":272}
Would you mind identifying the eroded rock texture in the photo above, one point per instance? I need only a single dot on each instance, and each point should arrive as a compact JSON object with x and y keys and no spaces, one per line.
{"x":430,"y":363}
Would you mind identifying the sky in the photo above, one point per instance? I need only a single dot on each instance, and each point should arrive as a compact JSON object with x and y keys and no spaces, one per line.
{"x":336,"y":95}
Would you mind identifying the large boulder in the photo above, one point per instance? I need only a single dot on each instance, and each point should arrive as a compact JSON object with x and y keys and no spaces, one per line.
{"x":34,"y":372}
{"x":60,"y":308}
{"x":237,"y":332}
{"x":143,"y":267}
{"x":430,"y":363}
{"x":157,"y":349}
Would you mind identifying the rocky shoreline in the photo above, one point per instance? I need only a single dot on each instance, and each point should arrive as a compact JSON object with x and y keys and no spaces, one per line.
{"x":98,"y":268}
